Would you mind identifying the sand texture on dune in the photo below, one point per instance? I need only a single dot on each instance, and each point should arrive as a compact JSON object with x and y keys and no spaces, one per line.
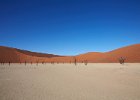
{"x":70,"y":82}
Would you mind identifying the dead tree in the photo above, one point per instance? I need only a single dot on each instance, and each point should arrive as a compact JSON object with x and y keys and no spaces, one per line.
{"x":42,"y":62}
{"x":9,"y":63}
{"x":75,"y":61}
{"x":25,"y":63}
{"x":52,"y":62}
{"x":121,"y":60}
{"x":86,"y":62}
{"x":37,"y":63}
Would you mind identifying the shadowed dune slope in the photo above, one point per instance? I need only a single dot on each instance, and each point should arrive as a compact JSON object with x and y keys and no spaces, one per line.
{"x":130,"y":53}
{"x":14,"y":55}
{"x":8,"y":54}
{"x":36,"y":54}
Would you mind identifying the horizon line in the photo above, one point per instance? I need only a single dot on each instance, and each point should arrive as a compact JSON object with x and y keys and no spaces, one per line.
{"x":67,"y":55}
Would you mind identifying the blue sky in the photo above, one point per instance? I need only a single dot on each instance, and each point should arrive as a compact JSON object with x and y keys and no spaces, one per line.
{"x":69,"y":27}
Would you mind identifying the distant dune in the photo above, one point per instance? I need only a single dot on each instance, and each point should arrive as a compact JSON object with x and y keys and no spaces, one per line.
{"x":130,"y":53}
{"x":14,"y":55}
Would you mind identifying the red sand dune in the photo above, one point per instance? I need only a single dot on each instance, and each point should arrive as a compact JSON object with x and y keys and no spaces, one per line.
{"x":16,"y":55}
{"x":130,"y":53}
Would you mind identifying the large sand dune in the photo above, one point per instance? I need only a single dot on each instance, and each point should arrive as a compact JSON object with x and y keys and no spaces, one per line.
{"x":70,"y":82}
{"x":131,"y":53}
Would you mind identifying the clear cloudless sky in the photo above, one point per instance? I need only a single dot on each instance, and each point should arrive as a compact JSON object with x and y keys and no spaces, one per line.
{"x":69,"y":27}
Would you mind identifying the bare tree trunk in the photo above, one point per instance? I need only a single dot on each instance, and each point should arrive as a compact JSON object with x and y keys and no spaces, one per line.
{"x":75,"y":61}
{"x":86,"y":62}
{"x":25,"y":63}
{"x":9,"y":63}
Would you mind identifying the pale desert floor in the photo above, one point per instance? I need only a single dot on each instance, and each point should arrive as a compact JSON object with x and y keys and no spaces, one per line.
{"x":70,"y":82}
